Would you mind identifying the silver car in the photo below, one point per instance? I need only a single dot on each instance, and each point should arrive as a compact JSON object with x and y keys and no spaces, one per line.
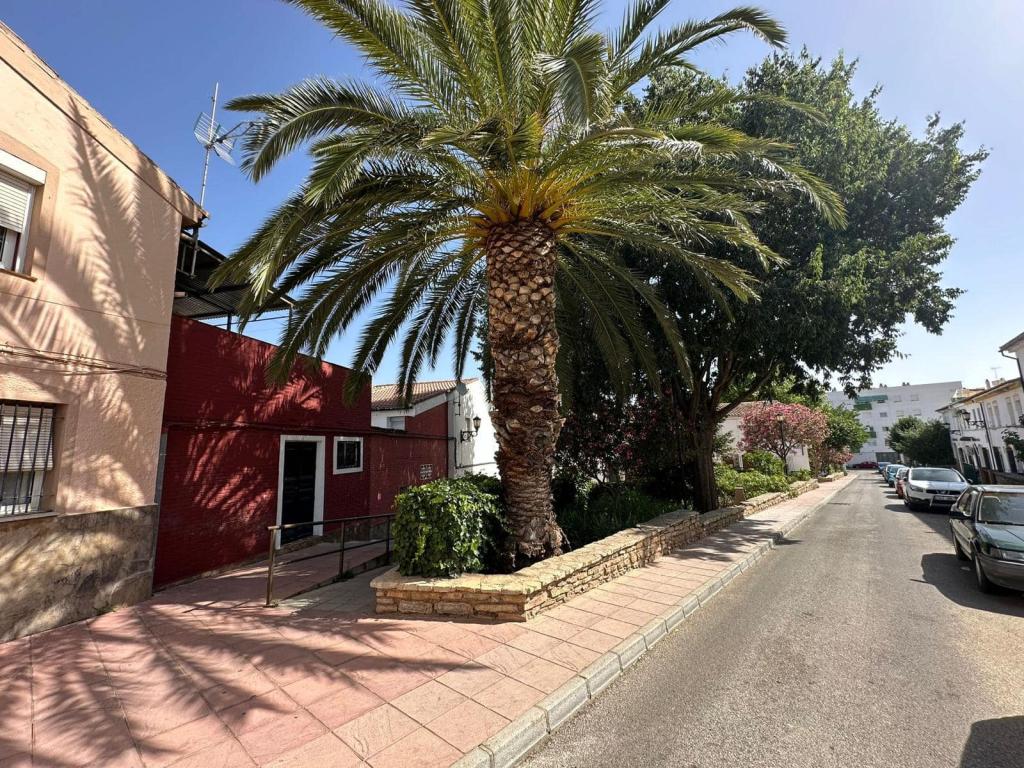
{"x":928,"y":487}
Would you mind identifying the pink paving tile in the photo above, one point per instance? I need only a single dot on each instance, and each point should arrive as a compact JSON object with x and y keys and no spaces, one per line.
{"x":323,"y":681}
{"x":346,"y":649}
{"x":648,"y":606}
{"x":574,"y":657}
{"x":594,"y":640}
{"x":604,"y":595}
{"x":560,"y":629}
{"x":543,"y":674}
{"x":468,"y":725}
{"x":84,"y":742}
{"x":470,"y":678}
{"x":237,"y":690}
{"x":627,"y":616}
{"x":469,"y":644}
{"x":619,"y":629}
{"x":162,"y":713}
{"x":225,"y":754}
{"x":536,"y":643}
{"x":438,"y":661}
{"x":327,"y":751}
{"x":594,"y":607}
{"x":508,"y":697}
{"x":258,"y":711}
{"x":296,"y":669}
{"x":420,"y":749}
{"x":572,"y":615}
{"x":506,"y":659}
{"x":428,"y":702}
{"x":386,"y":677}
{"x":503,"y":633}
{"x":280,"y":736}
{"x":347,"y":701}
{"x":379,"y":728}
{"x":20,"y":760}
{"x":397,"y":643}
{"x":165,"y":748}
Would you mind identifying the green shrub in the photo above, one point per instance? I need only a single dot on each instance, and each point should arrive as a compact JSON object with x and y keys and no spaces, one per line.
{"x":753,"y":483}
{"x":607,"y":509}
{"x":799,"y":474}
{"x":439,"y":527}
{"x":763,"y":462}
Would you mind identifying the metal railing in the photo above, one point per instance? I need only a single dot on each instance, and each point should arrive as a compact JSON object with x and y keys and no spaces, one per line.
{"x":343,"y":535}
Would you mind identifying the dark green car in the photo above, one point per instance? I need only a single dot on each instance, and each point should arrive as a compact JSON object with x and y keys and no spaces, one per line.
{"x":987,"y":522}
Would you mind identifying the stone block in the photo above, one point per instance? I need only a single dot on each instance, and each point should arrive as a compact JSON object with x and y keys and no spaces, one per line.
{"x":629,"y":650}
{"x":601,"y":672}
{"x":517,"y":738}
{"x":564,"y":702}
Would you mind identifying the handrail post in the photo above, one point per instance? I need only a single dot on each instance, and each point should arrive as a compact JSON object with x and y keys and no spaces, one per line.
{"x":270,"y":568}
{"x":341,"y":557}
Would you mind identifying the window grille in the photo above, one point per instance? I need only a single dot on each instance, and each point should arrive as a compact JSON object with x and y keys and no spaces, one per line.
{"x":26,"y":455}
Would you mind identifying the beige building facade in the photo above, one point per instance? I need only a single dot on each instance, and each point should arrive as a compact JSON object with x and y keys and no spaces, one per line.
{"x":89,"y":237}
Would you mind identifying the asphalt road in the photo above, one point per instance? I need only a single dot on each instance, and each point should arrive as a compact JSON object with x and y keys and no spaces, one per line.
{"x":862,"y":642}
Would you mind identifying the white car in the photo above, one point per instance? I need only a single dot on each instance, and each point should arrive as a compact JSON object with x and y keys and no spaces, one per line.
{"x":927,"y":487}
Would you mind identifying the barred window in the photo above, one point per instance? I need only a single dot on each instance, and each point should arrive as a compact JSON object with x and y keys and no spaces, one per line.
{"x":26,"y":455}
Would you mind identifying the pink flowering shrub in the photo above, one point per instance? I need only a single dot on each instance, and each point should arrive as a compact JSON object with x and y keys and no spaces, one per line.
{"x":781,"y":427}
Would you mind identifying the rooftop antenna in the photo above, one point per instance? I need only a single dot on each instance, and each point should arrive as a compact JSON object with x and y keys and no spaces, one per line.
{"x":215,"y":138}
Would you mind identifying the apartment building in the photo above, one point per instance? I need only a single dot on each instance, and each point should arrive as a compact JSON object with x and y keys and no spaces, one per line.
{"x":880,"y":407}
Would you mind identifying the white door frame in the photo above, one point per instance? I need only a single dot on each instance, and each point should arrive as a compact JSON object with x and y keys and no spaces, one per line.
{"x":318,"y":494}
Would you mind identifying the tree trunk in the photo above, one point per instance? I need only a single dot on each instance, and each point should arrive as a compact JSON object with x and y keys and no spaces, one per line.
{"x":706,"y":490}
{"x":523,"y":344}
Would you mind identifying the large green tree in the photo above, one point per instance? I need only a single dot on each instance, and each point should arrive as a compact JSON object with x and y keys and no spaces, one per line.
{"x":480,"y":181}
{"x":836,"y":304}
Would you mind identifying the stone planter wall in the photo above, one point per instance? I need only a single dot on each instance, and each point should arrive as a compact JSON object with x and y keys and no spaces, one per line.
{"x":525,"y":593}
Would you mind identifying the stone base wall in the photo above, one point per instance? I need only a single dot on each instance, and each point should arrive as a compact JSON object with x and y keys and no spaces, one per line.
{"x":525,"y":593}
{"x":63,"y":568}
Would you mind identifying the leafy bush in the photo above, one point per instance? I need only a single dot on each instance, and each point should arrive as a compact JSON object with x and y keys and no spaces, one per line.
{"x":799,"y":474}
{"x":752,"y":483}
{"x":608,"y":509}
{"x":763,"y":462}
{"x":439,"y":527}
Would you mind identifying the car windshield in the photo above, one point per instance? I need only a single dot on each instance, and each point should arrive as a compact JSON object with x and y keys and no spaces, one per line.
{"x":937,"y":475}
{"x":1002,"y":509}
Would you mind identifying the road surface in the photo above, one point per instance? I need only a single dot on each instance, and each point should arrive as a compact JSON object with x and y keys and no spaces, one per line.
{"x":861,"y":642}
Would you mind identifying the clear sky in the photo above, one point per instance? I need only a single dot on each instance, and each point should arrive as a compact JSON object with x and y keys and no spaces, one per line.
{"x":149,"y":67}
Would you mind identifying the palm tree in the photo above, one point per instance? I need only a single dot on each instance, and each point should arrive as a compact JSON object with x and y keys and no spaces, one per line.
{"x":486,"y":171}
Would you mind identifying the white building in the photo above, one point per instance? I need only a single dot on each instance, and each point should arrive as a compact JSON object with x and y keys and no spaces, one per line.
{"x":456,"y":410}
{"x":880,"y":407}
{"x":980,"y":419}
{"x":799,"y":458}
{"x":1015,"y":347}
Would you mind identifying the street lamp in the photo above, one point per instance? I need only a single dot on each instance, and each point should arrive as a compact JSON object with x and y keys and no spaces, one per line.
{"x":781,"y":421}
{"x":466,"y":435}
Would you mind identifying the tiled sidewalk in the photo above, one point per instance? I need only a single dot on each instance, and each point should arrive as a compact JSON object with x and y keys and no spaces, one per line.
{"x":188,"y":679}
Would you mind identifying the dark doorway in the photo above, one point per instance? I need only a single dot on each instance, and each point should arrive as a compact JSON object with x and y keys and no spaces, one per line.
{"x":298,"y":488}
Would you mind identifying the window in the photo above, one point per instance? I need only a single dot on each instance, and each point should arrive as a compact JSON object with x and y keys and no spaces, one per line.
{"x":901,"y":413}
{"x":897,"y":398}
{"x":396,"y":422}
{"x":348,"y":455}
{"x":883,"y":414}
{"x":18,"y":183}
{"x":26,"y":455}
{"x":917,"y":411}
{"x":915,"y":398}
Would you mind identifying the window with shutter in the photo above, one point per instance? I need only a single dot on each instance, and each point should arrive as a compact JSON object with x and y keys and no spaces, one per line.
{"x":15,"y":209}
{"x":348,"y":455}
{"x":26,"y":455}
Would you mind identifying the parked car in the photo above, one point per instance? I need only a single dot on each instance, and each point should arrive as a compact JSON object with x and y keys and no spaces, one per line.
{"x":987,"y":522}
{"x":864,"y":465}
{"x":927,"y":487}
{"x":881,"y":467}
{"x":901,"y":476}
{"x":890,"y":473}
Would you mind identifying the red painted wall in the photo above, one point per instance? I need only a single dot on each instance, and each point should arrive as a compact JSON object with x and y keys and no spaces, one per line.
{"x":399,"y":460}
{"x":224,"y":425}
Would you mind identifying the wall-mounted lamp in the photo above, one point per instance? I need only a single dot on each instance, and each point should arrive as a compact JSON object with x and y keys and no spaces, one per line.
{"x":467,"y":435}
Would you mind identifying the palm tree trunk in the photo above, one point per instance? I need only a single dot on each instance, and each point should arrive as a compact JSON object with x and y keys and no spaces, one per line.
{"x":523,"y":344}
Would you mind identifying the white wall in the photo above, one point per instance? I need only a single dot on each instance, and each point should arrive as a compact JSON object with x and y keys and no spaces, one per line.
{"x":474,"y":456}
{"x":798,"y":459}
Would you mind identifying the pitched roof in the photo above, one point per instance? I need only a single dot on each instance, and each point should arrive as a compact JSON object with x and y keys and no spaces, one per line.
{"x":388,"y":397}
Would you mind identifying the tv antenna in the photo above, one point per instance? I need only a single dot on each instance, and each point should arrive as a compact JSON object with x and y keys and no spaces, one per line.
{"x":216,"y":139}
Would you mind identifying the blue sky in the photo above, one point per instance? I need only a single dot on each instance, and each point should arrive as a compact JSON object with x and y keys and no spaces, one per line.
{"x":149,"y":68}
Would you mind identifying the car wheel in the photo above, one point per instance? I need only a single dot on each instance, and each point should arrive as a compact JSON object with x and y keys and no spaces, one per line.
{"x":911,"y":505}
{"x":960,"y":554}
{"x":984,"y":584}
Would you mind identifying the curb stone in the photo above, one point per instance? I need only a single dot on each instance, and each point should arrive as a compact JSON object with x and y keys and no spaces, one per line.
{"x":511,"y":744}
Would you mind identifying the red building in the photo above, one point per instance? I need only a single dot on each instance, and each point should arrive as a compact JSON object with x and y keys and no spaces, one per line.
{"x":239,"y":454}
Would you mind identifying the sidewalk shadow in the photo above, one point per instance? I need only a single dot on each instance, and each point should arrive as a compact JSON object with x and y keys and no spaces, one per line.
{"x":994,"y":743}
{"x":944,"y":572}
